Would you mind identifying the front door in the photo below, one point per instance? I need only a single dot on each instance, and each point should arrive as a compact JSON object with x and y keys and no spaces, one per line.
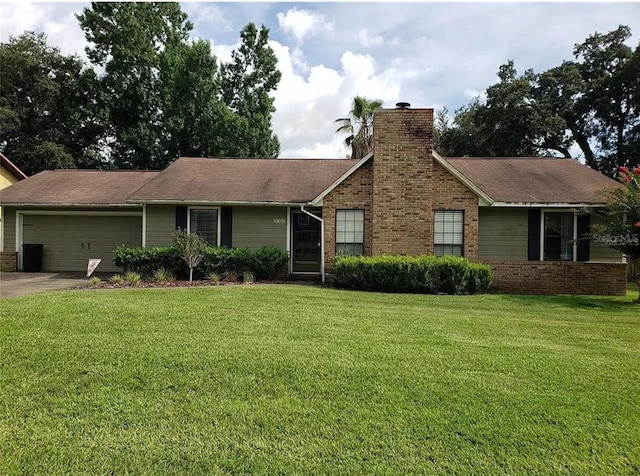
{"x":305,"y":234}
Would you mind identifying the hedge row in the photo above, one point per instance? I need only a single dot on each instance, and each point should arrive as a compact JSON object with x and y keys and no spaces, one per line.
{"x":264,"y":263}
{"x":426,"y":274}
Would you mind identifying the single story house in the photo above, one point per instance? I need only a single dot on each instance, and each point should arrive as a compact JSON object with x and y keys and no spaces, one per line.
{"x":520,"y":215}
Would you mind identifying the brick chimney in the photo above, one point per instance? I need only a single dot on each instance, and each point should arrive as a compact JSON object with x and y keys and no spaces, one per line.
{"x":402,"y":220}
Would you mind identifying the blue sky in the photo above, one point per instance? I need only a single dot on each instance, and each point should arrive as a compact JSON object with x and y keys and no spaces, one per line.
{"x":428,"y":54}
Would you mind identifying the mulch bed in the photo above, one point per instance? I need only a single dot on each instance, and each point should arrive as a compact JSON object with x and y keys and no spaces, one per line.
{"x":175,"y":284}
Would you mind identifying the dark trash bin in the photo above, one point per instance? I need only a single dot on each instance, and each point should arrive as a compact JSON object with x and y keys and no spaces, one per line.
{"x":32,"y":257}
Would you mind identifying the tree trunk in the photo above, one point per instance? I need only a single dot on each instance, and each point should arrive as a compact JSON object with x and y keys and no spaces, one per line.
{"x":190,"y":275}
{"x":583,"y":143}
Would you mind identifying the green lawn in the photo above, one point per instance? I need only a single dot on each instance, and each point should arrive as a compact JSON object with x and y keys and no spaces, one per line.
{"x":304,"y":380}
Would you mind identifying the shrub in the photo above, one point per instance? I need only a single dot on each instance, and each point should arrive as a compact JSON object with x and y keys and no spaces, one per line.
{"x":425,"y":274}
{"x":132,"y":278}
{"x":264,"y":263}
{"x":230,"y":276}
{"x":145,"y":261}
{"x":116,"y":279}
{"x":214,"y":278}
{"x":268,"y":261}
{"x":162,"y":275}
{"x":248,"y":278}
{"x":94,"y":282}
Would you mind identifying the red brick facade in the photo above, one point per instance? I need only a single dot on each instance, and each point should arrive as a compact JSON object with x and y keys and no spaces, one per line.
{"x":354,"y":193}
{"x":559,"y":277}
{"x":403,"y":185}
{"x":402,"y":182}
{"x":451,"y":194}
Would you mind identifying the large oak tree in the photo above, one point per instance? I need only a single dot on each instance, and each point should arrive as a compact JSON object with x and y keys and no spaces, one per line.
{"x":591,"y":102}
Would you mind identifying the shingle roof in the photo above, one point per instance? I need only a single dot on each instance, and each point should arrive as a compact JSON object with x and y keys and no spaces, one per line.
{"x":534,"y":179}
{"x":75,"y":187}
{"x":200,"y":180}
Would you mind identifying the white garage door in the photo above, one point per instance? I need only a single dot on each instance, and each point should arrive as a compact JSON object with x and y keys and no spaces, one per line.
{"x":70,"y":241}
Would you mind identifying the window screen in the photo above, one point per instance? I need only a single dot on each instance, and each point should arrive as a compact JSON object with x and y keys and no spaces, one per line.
{"x":349,"y":232}
{"x":448,"y":232}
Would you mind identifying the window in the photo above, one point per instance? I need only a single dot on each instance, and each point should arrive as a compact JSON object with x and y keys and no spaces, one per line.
{"x":204,"y":222}
{"x":350,"y":232}
{"x":448,"y":232}
{"x":558,"y":238}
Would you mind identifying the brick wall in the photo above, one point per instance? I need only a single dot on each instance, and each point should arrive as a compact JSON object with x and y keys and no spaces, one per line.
{"x":402,"y":182}
{"x":450,"y":194}
{"x":400,"y":189}
{"x":8,"y":261}
{"x":354,"y":193}
{"x":557,"y":277}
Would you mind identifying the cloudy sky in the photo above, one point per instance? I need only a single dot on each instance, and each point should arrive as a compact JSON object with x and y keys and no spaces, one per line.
{"x":428,"y":54}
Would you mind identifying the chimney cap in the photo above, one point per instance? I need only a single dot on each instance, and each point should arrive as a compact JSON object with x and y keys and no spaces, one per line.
{"x":402,"y":105}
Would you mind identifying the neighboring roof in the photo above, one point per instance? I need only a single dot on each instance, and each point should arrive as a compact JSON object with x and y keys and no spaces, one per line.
{"x":200,"y":180}
{"x":75,"y":187}
{"x":534,"y":180}
{"x":11,"y":167}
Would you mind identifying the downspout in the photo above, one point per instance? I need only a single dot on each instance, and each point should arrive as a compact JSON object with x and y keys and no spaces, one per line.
{"x":321,"y":239}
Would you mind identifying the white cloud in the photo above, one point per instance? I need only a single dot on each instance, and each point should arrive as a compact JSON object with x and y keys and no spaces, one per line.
{"x":367,"y":41}
{"x":307,"y":106}
{"x":206,"y":15}
{"x":303,"y":23}
{"x":60,"y":24}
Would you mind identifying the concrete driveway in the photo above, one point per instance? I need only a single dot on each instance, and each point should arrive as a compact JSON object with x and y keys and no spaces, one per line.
{"x":21,"y":284}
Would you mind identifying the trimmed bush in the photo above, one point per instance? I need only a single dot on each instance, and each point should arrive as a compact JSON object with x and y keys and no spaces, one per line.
{"x":425,"y":274}
{"x":145,"y":261}
{"x":268,"y":261}
{"x":264,"y":263}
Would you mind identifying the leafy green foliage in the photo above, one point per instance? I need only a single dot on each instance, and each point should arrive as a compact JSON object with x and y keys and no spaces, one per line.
{"x":264,"y":263}
{"x":129,"y":40}
{"x":49,"y":116}
{"x":358,"y":126}
{"x":425,"y":274}
{"x":116,"y":279}
{"x":247,"y":82}
{"x":268,"y":262}
{"x":132,"y":278}
{"x":162,"y":275}
{"x":191,"y":248}
{"x":620,"y":228}
{"x":164,"y":94}
{"x":593,"y":102}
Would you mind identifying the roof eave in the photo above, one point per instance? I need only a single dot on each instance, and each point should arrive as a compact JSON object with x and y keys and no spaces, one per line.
{"x":68,"y":204}
{"x":547,"y":204}
{"x":216,"y":202}
{"x":13,"y":168}
{"x":485,"y":199}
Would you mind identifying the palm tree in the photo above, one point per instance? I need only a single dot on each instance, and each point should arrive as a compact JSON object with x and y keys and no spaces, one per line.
{"x":359,"y":125}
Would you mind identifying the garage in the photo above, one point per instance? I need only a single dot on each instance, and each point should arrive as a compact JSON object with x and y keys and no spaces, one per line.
{"x":69,"y":241}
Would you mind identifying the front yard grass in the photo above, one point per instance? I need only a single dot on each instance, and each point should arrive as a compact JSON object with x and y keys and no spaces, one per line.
{"x":304,"y":380}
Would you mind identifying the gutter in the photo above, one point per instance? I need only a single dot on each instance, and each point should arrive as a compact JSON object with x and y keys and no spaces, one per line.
{"x":316,"y":217}
{"x":212,"y":203}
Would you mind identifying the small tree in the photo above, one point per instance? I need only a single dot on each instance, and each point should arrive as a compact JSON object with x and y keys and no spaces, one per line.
{"x":191,"y":247}
{"x":621,"y":218}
